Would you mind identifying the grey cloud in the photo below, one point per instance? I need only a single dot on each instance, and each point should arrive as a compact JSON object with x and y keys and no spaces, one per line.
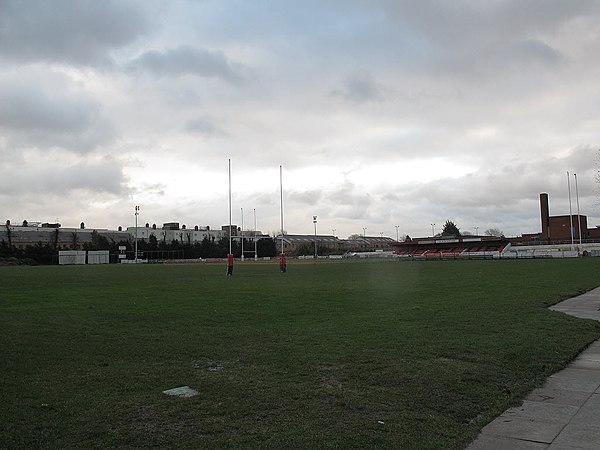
{"x":467,"y":39}
{"x":33,"y":109}
{"x":72,"y":31}
{"x":188,"y":60}
{"x":359,"y":88}
{"x":451,"y":23}
{"x":33,"y":115}
{"x":150,"y":190}
{"x":205,"y":126}
{"x":53,"y":179}
{"x":535,"y":50}
{"x":347,"y":202}
{"x":304,"y":197}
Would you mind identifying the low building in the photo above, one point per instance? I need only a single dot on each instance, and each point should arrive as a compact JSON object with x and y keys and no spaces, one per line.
{"x":296,"y":244}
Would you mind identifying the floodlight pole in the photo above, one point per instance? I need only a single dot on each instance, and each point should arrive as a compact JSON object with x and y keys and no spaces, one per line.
{"x":570,"y":210}
{"x":476,"y":231}
{"x":578,"y":215}
{"x":433,"y":230}
{"x":397,"y":235}
{"x":137,"y":209}
{"x":315,"y":223}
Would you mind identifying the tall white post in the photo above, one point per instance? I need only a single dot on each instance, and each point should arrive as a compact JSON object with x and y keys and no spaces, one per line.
{"x":578,"y":215}
{"x":137,"y":209}
{"x":397,"y":235}
{"x":230,"y":232}
{"x":281,"y":202}
{"x":570,"y":209}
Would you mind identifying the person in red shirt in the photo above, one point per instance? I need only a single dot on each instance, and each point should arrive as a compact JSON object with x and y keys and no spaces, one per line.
{"x":229,"y":264}
{"x":282,"y":263}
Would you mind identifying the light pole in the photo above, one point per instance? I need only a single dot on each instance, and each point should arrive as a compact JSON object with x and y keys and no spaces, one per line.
{"x":315,"y":223}
{"x":137,"y":211}
{"x":333,"y":231}
{"x":433,"y":230}
{"x":397,"y":235}
{"x":476,"y":231}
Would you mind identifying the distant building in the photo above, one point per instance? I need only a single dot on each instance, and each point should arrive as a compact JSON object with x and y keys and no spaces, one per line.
{"x":293,"y":244}
{"x":55,"y":235}
{"x":558,"y":228}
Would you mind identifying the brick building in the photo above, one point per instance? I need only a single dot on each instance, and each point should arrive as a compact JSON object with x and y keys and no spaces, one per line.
{"x":558,"y":228}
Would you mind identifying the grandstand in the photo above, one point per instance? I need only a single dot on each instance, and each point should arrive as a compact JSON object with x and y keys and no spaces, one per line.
{"x":452,"y":247}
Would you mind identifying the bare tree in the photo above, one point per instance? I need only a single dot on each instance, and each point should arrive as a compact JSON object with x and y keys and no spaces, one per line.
{"x":494,"y":232}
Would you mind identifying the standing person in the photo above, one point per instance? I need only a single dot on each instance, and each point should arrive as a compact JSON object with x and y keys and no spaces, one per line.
{"x":282,"y":263}
{"x":229,"y":264}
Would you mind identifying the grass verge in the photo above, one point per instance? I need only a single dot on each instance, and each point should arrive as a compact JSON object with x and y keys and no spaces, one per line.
{"x":338,"y":354}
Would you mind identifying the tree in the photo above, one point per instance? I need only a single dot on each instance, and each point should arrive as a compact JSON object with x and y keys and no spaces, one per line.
{"x":99,"y":242}
{"x":266,"y":247}
{"x":74,"y":240}
{"x":494,"y":232}
{"x":450,"y":229}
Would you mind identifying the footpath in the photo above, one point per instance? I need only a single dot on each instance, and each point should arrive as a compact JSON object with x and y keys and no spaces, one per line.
{"x":565,"y":412}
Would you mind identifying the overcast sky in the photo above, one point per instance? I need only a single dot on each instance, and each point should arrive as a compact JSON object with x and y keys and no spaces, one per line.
{"x":382,"y":113}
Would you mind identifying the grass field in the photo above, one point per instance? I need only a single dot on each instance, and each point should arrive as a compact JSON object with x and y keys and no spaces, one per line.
{"x":336,"y":354}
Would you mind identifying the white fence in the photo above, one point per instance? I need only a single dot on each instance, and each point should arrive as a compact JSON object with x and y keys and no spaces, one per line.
{"x":70,"y":257}
{"x":98,"y":257}
{"x":66,"y":257}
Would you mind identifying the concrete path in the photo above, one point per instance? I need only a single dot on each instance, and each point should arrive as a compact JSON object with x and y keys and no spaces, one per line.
{"x":565,"y":412}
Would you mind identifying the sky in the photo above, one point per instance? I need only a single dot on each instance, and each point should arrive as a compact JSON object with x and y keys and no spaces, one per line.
{"x":388,"y":115}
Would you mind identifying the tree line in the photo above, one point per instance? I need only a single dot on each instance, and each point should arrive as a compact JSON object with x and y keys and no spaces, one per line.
{"x":47,"y":252}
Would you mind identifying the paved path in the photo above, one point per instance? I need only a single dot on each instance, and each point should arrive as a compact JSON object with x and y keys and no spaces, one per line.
{"x":565,"y":412}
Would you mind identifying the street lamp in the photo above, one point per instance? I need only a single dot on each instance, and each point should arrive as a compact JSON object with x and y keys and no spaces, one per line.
{"x":137,"y":211}
{"x":364,"y":233}
{"x":433,"y":230}
{"x":397,"y":236}
{"x":315,"y":223}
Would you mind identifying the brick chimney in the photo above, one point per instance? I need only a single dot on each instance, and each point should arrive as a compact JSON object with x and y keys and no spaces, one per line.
{"x":545,"y":216}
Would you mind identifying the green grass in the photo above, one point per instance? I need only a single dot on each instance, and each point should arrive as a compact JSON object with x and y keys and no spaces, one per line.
{"x":314,"y":358}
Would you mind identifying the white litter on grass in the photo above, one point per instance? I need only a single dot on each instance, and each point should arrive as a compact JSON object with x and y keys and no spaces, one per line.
{"x":182,"y":391}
